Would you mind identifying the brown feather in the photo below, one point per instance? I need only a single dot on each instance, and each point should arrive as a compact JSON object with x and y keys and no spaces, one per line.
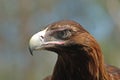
{"x":80,"y":58}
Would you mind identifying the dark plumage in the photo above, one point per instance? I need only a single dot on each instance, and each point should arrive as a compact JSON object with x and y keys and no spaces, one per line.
{"x":79,"y":55}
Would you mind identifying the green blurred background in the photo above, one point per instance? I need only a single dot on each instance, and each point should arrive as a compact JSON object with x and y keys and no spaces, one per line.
{"x":20,"y":19}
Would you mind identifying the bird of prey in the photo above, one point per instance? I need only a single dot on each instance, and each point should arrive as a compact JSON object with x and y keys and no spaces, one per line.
{"x":79,"y":55}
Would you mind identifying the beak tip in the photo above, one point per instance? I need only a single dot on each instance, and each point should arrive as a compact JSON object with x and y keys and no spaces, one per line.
{"x":31,"y":51}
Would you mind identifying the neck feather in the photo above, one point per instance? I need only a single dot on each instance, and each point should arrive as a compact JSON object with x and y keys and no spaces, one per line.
{"x":88,"y":64}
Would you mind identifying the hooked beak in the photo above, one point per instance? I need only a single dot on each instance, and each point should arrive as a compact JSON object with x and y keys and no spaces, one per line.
{"x":37,"y":41}
{"x":40,"y":41}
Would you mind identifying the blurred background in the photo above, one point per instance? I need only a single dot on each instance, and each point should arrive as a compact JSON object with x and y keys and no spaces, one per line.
{"x":20,"y":19}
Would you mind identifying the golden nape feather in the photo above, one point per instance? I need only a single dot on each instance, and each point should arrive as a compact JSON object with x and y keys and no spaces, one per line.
{"x":79,"y":55}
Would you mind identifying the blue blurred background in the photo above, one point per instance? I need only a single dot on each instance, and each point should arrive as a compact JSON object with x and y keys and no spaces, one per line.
{"x":20,"y":19}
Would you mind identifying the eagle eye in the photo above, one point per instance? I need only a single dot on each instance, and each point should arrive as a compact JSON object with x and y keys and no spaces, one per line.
{"x":64,"y":34}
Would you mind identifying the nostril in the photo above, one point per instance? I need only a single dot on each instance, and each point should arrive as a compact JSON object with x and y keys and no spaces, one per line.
{"x":42,"y":37}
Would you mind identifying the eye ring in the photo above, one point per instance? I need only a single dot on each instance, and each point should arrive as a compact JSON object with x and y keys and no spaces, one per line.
{"x":64,"y":34}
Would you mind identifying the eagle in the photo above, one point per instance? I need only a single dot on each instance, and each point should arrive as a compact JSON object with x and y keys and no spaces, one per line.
{"x":79,"y":54}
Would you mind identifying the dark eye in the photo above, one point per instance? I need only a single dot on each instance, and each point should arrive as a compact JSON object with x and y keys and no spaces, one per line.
{"x":65,"y":34}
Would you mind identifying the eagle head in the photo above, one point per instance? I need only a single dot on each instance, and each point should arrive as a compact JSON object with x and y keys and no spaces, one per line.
{"x":60,"y":36}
